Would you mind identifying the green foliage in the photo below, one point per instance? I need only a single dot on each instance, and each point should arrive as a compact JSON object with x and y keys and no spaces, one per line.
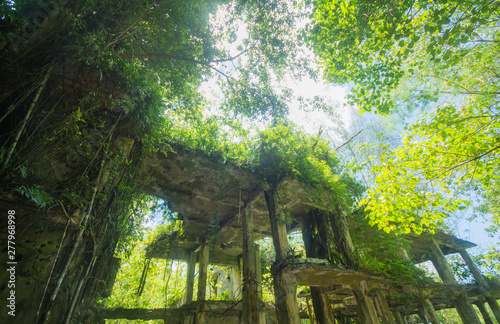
{"x":491,"y":261}
{"x":447,"y":152}
{"x":403,"y":54}
{"x":383,"y":253}
{"x":285,"y":151}
{"x":155,"y":294}
{"x":375,"y":44}
{"x":460,"y":269}
{"x":143,"y":210}
{"x":39,"y":196}
{"x":277,"y":152}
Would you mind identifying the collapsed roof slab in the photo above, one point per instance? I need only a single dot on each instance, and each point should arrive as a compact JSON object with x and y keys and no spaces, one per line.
{"x":210,"y":193}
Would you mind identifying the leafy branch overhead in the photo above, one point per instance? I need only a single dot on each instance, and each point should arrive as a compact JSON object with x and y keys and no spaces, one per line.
{"x":436,"y":56}
{"x":377,"y":44}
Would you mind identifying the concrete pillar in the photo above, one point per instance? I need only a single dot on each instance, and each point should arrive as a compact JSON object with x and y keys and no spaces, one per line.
{"x":494,"y":307}
{"x":250,"y":313}
{"x":322,"y":307}
{"x":191,"y":264}
{"x":202,"y":273}
{"x":423,"y":317}
{"x":258,"y":271}
{"x":342,"y":239}
{"x":398,"y":318}
{"x":429,"y":311}
{"x":366,"y":310}
{"x":236,"y":282}
{"x":478,"y":276}
{"x":285,"y":286}
{"x":383,"y":310}
{"x":484,"y":312}
{"x":462,"y":303}
{"x":315,"y":236}
{"x":476,"y":273}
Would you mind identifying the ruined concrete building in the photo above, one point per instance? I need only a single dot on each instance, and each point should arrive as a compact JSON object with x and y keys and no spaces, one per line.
{"x":70,"y":131}
{"x":247,"y":209}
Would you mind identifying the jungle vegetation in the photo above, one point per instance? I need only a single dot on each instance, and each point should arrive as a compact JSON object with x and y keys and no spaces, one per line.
{"x":428,"y":69}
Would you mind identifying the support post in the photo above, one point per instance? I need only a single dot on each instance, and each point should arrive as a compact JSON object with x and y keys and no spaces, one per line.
{"x":494,"y":307}
{"x":285,"y":286}
{"x":484,"y":312}
{"x":384,"y":312}
{"x":366,"y":310}
{"x":236,"y":275}
{"x":429,"y":311}
{"x":315,"y":236}
{"x":398,"y":318}
{"x":423,"y":316}
{"x":202,"y":273}
{"x":250,"y":300}
{"x":342,"y":239}
{"x":476,"y":273}
{"x":462,"y":303}
{"x":190,"y":277}
{"x":258,"y":272}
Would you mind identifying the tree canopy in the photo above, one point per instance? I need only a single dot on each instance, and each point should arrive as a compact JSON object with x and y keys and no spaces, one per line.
{"x":439,"y":56}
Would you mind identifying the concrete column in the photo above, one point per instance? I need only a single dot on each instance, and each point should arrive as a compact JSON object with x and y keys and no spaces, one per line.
{"x":250,"y":298}
{"x":191,"y":265}
{"x":476,"y":273}
{"x":342,"y":239}
{"x":429,"y":311}
{"x":322,"y":307}
{"x":484,"y":312}
{"x":442,"y":267}
{"x":423,"y":317}
{"x":494,"y":307}
{"x":315,"y":236}
{"x":202,"y":273}
{"x":462,"y":303}
{"x":383,"y":310}
{"x":258,"y":272}
{"x":366,"y":310}
{"x":236,"y":276}
{"x":285,"y":286}
{"x":398,"y":318}
{"x":481,"y":282}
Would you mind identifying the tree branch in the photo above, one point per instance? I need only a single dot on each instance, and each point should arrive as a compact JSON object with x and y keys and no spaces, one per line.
{"x":465,"y":162}
{"x":177,"y":58}
{"x":349,"y":140}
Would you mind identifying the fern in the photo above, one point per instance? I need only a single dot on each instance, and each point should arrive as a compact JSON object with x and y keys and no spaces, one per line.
{"x":39,"y":196}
